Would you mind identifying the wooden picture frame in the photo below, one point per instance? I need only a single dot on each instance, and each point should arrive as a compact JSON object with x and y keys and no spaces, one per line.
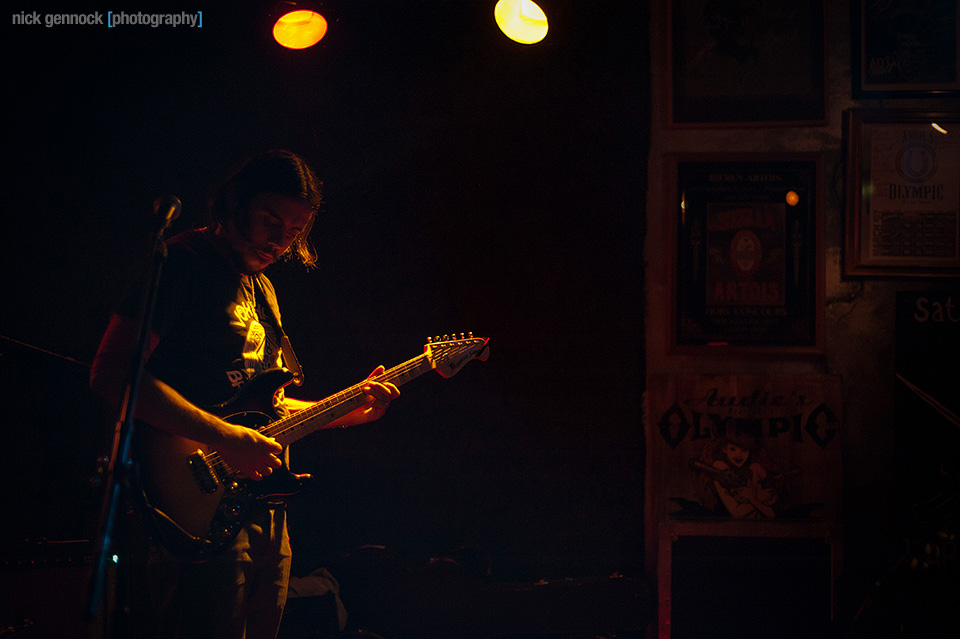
{"x":728,"y":63}
{"x":902,"y":213}
{"x":747,"y":253}
{"x":903,"y":49}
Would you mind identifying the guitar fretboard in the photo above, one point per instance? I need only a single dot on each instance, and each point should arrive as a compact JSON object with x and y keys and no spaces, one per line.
{"x":319,"y":416}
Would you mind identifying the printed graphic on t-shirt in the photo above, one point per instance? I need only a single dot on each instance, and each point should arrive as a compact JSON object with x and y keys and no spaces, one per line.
{"x":259,"y":348}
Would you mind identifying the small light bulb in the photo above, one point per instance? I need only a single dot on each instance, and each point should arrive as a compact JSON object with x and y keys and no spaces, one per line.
{"x":792,"y":198}
{"x":521,"y":20}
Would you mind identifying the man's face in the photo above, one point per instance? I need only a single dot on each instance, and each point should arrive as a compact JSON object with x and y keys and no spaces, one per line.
{"x":273,"y":223}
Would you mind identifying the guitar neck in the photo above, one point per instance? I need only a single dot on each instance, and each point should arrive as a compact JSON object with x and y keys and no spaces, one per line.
{"x":320,"y":415}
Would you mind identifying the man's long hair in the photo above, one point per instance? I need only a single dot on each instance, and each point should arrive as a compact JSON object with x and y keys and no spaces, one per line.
{"x":279,"y":172}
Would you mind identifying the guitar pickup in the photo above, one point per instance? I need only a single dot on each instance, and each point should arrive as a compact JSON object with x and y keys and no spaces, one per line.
{"x":203,"y":473}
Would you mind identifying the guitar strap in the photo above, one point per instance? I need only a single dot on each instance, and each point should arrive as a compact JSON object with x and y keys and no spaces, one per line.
{"x":286,"y":349}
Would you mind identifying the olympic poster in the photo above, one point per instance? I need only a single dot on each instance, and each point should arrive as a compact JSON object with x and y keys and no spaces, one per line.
{"x":744,"y":447}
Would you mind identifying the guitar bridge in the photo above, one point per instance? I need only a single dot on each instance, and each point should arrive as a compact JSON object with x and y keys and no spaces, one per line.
{"x":202,"y":472}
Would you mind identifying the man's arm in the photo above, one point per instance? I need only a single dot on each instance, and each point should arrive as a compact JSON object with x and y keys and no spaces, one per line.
{"x":161,"y":406}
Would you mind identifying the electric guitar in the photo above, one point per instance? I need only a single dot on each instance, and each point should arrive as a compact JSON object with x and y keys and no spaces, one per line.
{"x":196,"y":504}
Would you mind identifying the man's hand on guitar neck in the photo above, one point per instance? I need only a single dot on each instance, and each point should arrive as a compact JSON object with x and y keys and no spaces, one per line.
{"x":378,"y":396}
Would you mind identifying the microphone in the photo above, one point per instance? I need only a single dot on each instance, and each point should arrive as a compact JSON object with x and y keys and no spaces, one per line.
{"x":167,"y":207}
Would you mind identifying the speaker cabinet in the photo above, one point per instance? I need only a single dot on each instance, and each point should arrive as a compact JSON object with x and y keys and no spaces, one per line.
{"x":44,"y":590}
{"x":717,"y":586}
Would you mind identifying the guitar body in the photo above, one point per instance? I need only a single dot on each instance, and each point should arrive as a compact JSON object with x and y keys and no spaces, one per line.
{"x":196,"y":507}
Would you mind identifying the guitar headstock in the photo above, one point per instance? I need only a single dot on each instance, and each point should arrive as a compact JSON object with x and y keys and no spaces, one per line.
{"x":450,"y":353}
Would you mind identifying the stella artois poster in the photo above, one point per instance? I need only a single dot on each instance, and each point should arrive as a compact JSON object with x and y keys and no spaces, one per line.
{"x":746,"y":253}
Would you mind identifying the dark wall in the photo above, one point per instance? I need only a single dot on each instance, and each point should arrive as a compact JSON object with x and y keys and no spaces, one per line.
{"x":472,"y":184}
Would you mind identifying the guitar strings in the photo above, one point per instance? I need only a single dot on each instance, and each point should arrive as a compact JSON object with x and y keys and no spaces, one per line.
{"x":291,"y":422}
{"x":281,"y":426}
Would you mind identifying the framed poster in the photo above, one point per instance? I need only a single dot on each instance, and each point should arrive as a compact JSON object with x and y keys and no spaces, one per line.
{"x":902,"y":193}
{"x":903,"y":48}
{"x":742,"y":469}
{"x":744,"y":448}
{"x":747,"y":264}
{"x":728,"y":62}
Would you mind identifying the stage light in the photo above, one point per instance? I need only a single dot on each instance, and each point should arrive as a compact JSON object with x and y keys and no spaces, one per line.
{"x":792,"y":198}
{"x":938,"y":128}
{"x":521,"y":20}
{"x":299,"y":28}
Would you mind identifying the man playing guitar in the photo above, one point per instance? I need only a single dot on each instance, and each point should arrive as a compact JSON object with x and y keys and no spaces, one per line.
{"x":216,"y":327}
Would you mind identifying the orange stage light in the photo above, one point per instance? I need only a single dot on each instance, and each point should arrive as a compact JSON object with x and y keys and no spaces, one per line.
{"x":299,"y":29}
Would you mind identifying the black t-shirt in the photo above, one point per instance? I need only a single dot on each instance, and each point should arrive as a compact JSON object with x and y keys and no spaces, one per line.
{"x":214,"y":325}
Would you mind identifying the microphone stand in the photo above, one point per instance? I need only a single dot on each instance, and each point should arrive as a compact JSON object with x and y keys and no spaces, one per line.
{"x":117,"y":475}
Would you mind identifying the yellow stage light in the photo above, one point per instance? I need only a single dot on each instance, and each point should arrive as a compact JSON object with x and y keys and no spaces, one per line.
{"x":521,"y":20}
{"x":792,"y":198}
{"x":299,"y":29}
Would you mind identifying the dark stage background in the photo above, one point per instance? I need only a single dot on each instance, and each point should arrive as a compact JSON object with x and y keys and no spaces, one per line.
{"x":472,"y":184}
